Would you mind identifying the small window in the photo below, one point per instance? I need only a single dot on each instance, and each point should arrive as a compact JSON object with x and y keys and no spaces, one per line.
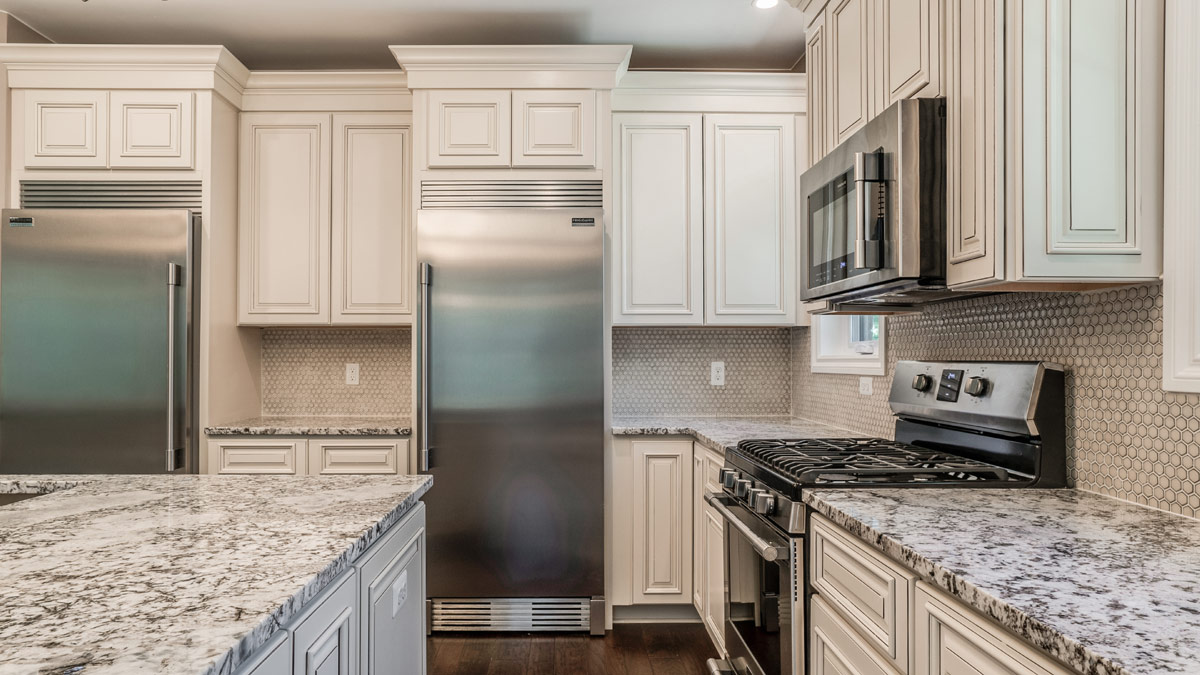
{"x":848,"y":344}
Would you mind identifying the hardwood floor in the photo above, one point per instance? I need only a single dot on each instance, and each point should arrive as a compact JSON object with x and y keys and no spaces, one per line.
{"x":628,"y":649}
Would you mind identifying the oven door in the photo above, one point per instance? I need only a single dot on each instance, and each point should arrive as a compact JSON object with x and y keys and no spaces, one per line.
{"x":758,"y":591}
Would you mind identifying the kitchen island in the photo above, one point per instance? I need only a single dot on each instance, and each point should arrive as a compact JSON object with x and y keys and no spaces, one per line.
{"x":180,"y":574}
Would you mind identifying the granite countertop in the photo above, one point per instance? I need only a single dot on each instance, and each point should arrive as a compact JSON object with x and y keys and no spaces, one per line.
{"x":175,"y":574}
{"x":1103,"y":585}
{"x":722,"y":433}
{"x":314,"y":426}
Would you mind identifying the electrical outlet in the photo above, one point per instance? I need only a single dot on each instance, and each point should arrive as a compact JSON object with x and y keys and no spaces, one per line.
{"x":399,"y":593}
{"x":351,"y":373}
{"x":866,"y":386}
{"x":717,"y":374}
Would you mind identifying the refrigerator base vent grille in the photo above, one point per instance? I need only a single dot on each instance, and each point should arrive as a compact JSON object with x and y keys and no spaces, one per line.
{"x":511,"y":614}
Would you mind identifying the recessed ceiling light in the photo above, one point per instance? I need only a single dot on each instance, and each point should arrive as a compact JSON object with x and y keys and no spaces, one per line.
{"x":764,"y":4}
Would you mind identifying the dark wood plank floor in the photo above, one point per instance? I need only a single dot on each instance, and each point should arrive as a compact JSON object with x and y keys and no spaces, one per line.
{"x":628,"y":649}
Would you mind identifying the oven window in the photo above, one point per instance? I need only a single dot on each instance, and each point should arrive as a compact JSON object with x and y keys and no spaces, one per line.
{"x":831,"y":235}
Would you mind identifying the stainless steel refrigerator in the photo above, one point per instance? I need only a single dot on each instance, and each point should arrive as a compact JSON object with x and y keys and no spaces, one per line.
{"x":96,"y":318}
{"x":511,"y":421}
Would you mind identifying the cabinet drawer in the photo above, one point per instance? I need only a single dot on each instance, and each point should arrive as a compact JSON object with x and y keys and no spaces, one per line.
{"x":66,"y":129}
{"x":869,"y":591}
{"x":952,"y":640}
{"x":327,"y":457}
{"x":151,"y":129}
{"x":712,"y":470}
{"x":256,"y":456}
{"x":836,"y":649}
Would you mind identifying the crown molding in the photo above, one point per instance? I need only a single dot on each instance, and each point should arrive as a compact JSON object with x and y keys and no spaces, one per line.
{"x":513,"y":66}
{"x":694,"y":91}
{"x":327,"y":90}
{"x":61,"y":66}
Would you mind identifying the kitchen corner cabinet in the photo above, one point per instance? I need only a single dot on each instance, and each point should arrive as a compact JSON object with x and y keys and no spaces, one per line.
{"x":704,"y":219}
{"x":98,"y":129}
{"x":324,"y":219}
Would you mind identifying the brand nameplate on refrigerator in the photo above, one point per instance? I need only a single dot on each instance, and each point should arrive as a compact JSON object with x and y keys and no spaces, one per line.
{"x":583,"y":222}
{"x":20,"y":221}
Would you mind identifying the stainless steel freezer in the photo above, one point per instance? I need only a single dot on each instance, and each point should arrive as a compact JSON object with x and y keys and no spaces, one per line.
{"x":511,"y":400}
{"x":96,"y":317}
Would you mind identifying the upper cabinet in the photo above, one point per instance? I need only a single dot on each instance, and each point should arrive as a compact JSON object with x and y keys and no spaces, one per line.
{"x":847,"y":23}
{"x":481,"y":128}
{"x":90,"y":129}
{"x":704,"y":219}
{"x":324,"y":221}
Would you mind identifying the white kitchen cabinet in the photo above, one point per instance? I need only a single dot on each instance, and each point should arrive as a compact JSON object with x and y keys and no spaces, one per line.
{"x":66,"y":129}
{"x":392,"y":600}
{"x":273,"y":658}
{"x":816,"y":59}
{"x":469,"y":128}
{"x":662,"y":521}
{"x":714,"y":578}
{"x":848,"y":30}
{"x":325,"y":638}
{"x":554,"y":128}
{"x":151,"y":129}
{"x":907,"y":60}
{"x":834,"y":648}
{"x":350,"y":455}
{"x":262,"y":455}
{"x":284,"y":219}
{"x":658,"y":222}
{"x":951,"y":640}
{"x":750,"y":219}
{"x":699,"y":570}
{"x":371,"y":275}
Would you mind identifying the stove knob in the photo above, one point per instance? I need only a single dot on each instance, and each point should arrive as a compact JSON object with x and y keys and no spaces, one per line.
{"x":976,"y":386}
{"x":728,"y":478}
{"x":741,"y":487}
{"x":764,"y":503}
{"x":753,"y":494}
{"x":922,"y":382}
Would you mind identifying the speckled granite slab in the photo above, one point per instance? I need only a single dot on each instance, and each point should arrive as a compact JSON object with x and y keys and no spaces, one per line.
{"x":721,"y":433}
{"x":1102,"y":585}
{"x":175,"y":574}
{"x":315,"y":426}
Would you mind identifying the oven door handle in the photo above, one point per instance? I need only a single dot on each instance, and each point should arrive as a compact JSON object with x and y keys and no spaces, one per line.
{"x":767,"y":550}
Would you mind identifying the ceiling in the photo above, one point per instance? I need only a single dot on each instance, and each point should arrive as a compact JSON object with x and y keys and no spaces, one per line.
{"x":344,"y":34}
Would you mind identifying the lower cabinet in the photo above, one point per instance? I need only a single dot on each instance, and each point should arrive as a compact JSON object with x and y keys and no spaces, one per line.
{"x":835,"y":648}
{"x":371,"y":620}
{"x":322,"y":456}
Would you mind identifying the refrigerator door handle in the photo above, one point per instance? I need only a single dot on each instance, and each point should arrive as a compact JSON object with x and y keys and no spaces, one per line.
{"x":174,"y":281}
{"x":423,"y":321}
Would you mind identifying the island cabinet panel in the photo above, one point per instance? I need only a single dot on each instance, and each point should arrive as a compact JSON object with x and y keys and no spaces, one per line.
{"x":392,"y":598}
{"x":324,"y":641}
{"x":951,"y":640}
{"x":273,"y":658}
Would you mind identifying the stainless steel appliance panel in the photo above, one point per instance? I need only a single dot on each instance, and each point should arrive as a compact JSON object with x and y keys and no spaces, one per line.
{"x":514,"y":401}
{"x":94,"y":340}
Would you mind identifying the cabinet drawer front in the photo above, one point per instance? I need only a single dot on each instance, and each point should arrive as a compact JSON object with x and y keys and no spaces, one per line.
{"x":470,"y":128}
{"x":952,"y":640}
{"x":554,"y":128}
{"x":356,"y":456}
{"x":712,"y":471}
{"x":151,"y":129}
{"x":836,"y":649}
{"x":252,"y":456}
{"x":66,"y":129}
{"x":870,"y":592}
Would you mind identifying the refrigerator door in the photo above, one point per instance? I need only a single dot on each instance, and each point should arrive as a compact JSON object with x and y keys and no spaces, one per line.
{"x":91,"y":333}
{"x":515,"y":402}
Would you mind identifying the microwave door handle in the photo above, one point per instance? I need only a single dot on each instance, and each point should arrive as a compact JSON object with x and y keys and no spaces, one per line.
{"x":869,"y":186}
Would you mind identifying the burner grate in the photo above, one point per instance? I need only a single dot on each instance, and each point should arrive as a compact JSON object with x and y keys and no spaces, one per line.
{"x":844,"y":461}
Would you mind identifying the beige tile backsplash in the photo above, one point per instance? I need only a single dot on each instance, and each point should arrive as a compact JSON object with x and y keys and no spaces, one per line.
{"x":1126,"y":437}
{"x":304,"y":371}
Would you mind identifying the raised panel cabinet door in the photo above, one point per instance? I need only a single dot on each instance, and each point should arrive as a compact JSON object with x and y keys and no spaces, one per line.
{"x":714,"y":563}
{"x":1087,"y":132}
{"x":66,"y":129}
{"x":952,"y":640}
{"x":658,"y":226}
{"x":662,"y":522}
{"x":974,"y":142}
{"x":908,"y":63}
{"x":836,"y":649}
{"x":151,"y":129}
{"x":750,"y":219}
{"x":372,"y":219}
{"x":554,"y":128}
{"x":849,"y":38}
{"x":470,"y":128}
{"x":273,"y":658}
{"x":816,"y":61}
{"x":257,"y":456}
{"x":392,"y":597}
{"x":325,"y":641}
{"x":329,"y":457}
{"x":283,"y":219}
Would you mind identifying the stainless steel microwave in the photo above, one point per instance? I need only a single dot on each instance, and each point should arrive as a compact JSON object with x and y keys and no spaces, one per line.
{"x":874,"y":212}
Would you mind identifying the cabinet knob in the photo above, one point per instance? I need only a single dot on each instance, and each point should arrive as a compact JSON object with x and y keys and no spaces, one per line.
{"x":976,"y":386}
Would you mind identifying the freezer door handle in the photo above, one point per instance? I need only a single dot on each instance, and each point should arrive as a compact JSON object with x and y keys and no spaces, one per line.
{"x":174,"y":452}
{"x":423,"y":316}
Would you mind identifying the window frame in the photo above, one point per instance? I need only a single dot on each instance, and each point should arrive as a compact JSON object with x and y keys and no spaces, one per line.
{"x":824,"y":360}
